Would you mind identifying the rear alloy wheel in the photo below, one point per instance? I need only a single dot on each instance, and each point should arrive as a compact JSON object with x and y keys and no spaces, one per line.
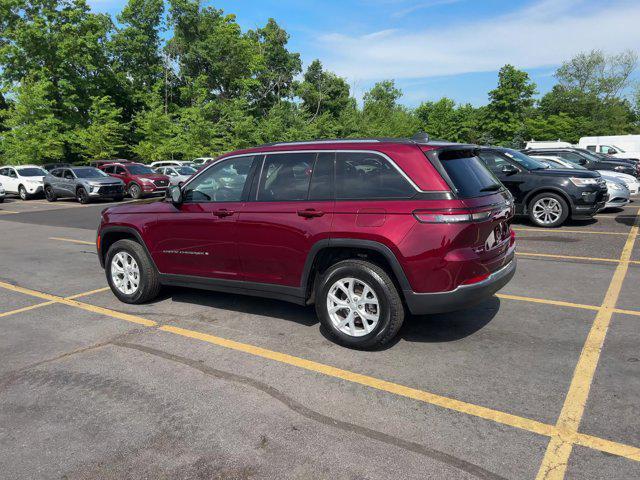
{"x":23,"y":193}
{"x":49,"y":194}
{"x":359,"y":305}
{"x":135,"y":191}
{"x":548,"y":210}
{"x":82,"y":196}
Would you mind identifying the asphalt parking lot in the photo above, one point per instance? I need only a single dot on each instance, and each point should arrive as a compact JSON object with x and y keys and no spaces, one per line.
{"x":541,"y":381}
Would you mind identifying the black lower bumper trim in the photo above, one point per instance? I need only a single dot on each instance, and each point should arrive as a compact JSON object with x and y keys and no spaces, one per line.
{"x":462,"y":297}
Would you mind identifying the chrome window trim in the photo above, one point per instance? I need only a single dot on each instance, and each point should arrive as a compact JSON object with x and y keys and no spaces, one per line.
{"x":278,"y":152}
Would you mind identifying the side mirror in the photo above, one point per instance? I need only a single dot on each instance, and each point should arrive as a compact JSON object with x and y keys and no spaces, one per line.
{"x":610,"y":151}
{"x":175,"y":193}
{"x":509,"y":170}
{"x":582,"y":161}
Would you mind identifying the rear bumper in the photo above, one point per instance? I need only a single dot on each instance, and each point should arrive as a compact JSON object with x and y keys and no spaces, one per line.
{"x":462,"y":296}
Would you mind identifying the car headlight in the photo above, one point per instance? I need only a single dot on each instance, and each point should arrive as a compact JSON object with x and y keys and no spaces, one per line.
{"x":581,"y":182}
{"x":619,"y":168}
{"x":615,"y":186}
{"x":94,"y":188}
{"x":146,"y":180}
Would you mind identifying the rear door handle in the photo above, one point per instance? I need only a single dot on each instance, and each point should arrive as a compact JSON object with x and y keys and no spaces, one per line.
{"x":310,"y":213}
{"x":223,"y":212}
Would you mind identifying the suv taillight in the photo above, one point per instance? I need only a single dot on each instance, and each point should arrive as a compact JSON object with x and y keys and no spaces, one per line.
{"x":451,"y":216}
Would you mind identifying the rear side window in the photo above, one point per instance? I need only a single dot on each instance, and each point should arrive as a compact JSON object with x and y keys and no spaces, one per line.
{"x":469,"y":175}
{"x":362,"y":176}
{"x":286,"y":177}
{"x":322,"y":177}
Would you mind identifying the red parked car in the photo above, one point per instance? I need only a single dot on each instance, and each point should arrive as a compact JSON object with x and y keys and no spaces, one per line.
{"x":363,"y":229}
{"x":139,"y":179}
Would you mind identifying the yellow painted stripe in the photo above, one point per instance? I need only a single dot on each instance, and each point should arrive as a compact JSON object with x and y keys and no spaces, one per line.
{"x":7,"y":212}
{"x":614,"y":448}
{"x":372,"y":382}
{"x":90,"y":292}
{"x":545,"y":301}
{"x":626,"y":312}
{"x":545,"y":230}
{"x":84,"y":306}
{"x":567,"y":257}
{"x":26,"y":309}
{"x":554,"y":463}
{"x":72,"y":240}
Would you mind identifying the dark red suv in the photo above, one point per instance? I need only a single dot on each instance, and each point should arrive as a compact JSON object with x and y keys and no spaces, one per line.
{"x":363,"y":229}
{"x":139,"y":179}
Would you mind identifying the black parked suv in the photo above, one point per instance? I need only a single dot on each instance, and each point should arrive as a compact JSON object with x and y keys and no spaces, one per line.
{"x":588,"y":160}
{"x":547,"y":196}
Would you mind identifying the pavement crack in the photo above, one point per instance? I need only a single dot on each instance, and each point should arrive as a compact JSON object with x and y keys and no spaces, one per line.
{"x":463,"y":465}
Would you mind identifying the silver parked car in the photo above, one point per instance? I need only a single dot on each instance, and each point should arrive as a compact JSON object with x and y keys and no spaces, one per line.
{"x":83,"y":184}
{"x":177,"y":174}
{"x":619,"y":194}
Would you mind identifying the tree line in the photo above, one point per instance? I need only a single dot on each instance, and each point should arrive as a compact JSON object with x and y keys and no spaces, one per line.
{"x":77,"y":85}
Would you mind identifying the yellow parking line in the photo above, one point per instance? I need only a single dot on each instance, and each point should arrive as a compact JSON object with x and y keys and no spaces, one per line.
{"x":84,"y":306}
{"x":568,"y":257}
{"x":52,"y":302}
{"x":7,"y":212}
{"x":545,"y":301}
{"x":497,"y":416}
{"x":545,"y":230}
{"x":554,"y":463}
{"x":26,"y":309}
{"x":72,"y":240}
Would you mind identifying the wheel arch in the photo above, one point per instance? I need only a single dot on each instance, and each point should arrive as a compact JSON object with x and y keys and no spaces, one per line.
{"x":546,"y":189}
{"x":110,"y":235}
{"x":325,"y":253}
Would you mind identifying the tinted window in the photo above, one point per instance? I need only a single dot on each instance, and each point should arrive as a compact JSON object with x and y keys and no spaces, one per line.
{"x":469,"y":175}
{"x":119,"y":170}
{"x":185,"y":170}
{"x":572,"y":157}
{"x":493,"y":161}
{"x":89,"y":172}
{"x":140,"y":170}
{"x":524,"y":160}
{"x":66,"y":173}
{"x":31,"y":172}
{"x":223,"y":182}
{"x":368,"y":176}
{"x":322,"y":177}
{"x":285,"y":177}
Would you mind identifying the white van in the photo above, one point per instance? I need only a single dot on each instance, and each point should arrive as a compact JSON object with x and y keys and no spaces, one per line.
{"x":548,"y":144}
{"x":620,"y":146}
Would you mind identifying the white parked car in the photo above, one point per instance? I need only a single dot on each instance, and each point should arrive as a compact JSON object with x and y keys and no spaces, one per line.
{"x":169,"y":163}
{"x":2,"y":193}
{"x":25,"y":180}
{"x":197,"y":162}
{"x":630,"y":181}
{"x":177,"y":175}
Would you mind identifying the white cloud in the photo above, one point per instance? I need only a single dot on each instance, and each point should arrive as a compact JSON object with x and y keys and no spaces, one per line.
{"x":540,"y":35}
{"x":421,"y":6}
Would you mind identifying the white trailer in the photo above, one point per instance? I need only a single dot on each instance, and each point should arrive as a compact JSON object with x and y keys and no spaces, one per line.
{"x":548,"y":144}
{"x":620,"y":146}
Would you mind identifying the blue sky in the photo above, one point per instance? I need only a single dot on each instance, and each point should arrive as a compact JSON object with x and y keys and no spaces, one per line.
{"x":435,"y":48}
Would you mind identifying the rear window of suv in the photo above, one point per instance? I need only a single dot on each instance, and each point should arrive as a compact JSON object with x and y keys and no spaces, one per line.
{"x":469,"y":175}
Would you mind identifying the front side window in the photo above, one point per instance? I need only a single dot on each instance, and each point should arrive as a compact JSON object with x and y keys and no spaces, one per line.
{"x":119,"y":170}
{"x":285,"y":177}
{"x":368,"y":176}
{"x":89,"y":172}
{"x":223,"y":182}
{"x":493,"y":161}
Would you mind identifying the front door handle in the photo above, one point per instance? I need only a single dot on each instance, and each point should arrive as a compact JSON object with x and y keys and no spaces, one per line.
{"x":310,"y":213}
{"x":223,"y":212}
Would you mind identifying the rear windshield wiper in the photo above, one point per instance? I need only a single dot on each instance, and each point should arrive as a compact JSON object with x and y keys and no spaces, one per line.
{"x":492,"y":188}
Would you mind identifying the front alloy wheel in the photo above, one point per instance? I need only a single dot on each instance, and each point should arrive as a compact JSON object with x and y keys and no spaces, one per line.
{"x":23,"y":193}
{"x":125,"y":273}
{"x":82,"y":196}
{"x":548,"y":210}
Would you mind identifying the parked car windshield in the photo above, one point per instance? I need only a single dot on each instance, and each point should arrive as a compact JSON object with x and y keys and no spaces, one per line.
{"x":185,"y":170}
{"x":89,"y":173}
{"x":140,"y":170}
{"x":524,"y":160}
{"x":31,"y":172}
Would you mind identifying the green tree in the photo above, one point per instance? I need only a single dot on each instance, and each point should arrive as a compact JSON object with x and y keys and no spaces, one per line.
{"x":102,"y":137}
{"x":509,"y":105}
{"x":34,"y":134}
{"x":277,"y":66}
{"x":383,"y":116}
{"x":323,"y":92}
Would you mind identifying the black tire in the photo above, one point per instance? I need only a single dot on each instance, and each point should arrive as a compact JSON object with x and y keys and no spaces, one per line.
{"x":135,"y":191}
{"x":564,"y":210}
{"x":82,"y":196}
{"x":391,"y":313}
{"x":22,"y":192}
{"x":1,"y":199}
{"x":149,"y":286}
{"x":49,"y":194}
